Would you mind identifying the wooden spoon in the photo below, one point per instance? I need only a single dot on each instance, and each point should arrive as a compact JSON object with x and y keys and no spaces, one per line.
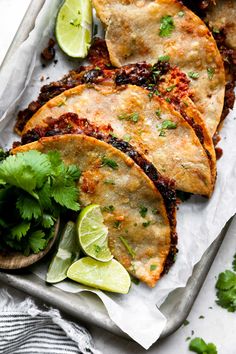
{"x":16,"y":260}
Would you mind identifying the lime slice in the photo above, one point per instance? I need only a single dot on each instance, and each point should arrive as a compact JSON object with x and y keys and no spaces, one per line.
{"x":109,"y":276}
{"x":67,"y":253}
{"x":93,"y":234}
{"x":74,"y":27}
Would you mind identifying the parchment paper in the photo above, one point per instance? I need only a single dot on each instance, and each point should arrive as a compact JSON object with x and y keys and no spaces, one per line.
{"x":199,"y":221}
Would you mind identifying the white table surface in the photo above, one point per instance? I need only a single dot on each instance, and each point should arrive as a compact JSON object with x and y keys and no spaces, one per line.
{"x":218,"y":325}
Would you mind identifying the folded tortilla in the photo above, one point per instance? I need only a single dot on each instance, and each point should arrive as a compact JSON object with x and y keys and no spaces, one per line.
{"x":145,"y":30}
{"x":150,"y":124}
{"x":140,"y":219}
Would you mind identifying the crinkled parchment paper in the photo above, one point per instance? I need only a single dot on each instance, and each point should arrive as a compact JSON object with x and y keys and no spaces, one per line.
{"x":199,"y":220}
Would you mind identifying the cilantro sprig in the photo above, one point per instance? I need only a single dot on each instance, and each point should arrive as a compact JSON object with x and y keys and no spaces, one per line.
{"x":226,"y":289}
{"x":35,"y":188}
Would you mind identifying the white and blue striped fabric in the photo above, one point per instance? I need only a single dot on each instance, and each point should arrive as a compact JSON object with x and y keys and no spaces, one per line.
{"x":24,"y":328}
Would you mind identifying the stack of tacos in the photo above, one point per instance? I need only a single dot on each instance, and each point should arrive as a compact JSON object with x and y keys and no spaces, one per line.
{"x":139,"y":122}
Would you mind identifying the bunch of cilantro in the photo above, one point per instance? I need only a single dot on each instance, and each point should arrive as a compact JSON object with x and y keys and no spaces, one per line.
{"x":35,"y":188}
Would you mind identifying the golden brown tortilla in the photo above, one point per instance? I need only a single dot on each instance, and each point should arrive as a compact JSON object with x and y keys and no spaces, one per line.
{"x":150,"y":124}
{"x":138,"y":213}
{"x":135,"y":33}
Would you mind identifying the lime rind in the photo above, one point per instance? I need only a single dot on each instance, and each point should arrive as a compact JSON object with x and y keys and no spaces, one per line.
{"x":110,"y":276}
{"x":93,"y":234}
{"x":74,"y":27}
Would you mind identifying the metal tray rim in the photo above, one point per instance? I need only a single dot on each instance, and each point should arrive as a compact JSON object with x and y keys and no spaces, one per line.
{"x":32,"y":284}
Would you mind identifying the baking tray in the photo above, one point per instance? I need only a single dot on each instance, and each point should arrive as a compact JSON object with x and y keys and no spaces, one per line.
{"x":176,"y":307}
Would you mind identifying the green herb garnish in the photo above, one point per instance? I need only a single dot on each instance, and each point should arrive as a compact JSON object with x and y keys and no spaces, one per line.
{"x":198,"y":345}
{"x":127,"y":246}
{"x":143,"y":211}
{"x":127,"y":138}
{"x":108,"y":209}
{"x":164,"y":58}
{"x":170,"y":88}
{"x":186,"y":323}
{"x":109,"y":162}
{"x":193,"y":75}
{"x":181,"y":13}
{"x":153,"y":267}
{"x":166,"y":124}
{"x":158,"y":112}
{"x":167,"y":26}
{"x":35,"y":189}
{"x":117,"y":224}
{"x":210,"y":72}
{"x":133,"y":117}
{"x":226,"y":290}
{"x":109,"y":181}
{"x":146,"y":223}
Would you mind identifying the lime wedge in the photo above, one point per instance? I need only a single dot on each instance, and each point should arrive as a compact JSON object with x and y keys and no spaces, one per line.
{"x":67,"y":253}
{"x":74,"y":27}
{"x":109,"y":276}
{"x":93,"y":234}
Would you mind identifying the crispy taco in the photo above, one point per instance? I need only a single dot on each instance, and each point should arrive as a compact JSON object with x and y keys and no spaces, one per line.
{"x":151,"y":125}
{"x":143,"y":204}
{"x":144,"y":30}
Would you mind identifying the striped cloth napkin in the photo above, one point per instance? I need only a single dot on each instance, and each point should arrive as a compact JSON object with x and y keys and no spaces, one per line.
{"x":24,"y":328}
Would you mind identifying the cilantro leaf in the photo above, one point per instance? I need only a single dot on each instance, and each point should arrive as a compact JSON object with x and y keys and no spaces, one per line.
{"x":20,"y":230}
{"x":28,"y":207}
{"x":167,"y":26}
{"x":66,"y":196}
{"x":199,"y":346}
{"x":37,"y":241}
{"x":109,"y":162}
{"x":48,"y":221}
{"x":226,"y":290}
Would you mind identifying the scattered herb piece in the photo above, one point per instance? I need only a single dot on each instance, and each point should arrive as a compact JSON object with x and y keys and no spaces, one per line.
{"x":210,"y":72}
{"x":133,"y":117}
{"x":117,"y":224}
{"x":127,"y":138}
{"x":193,"y":75}
{"x":164,"y":58}
{"x":154,"y":211}
{"x":168,"y":124}
{"x":167,"y":26}
{"x":108,"y":209}
{"x":143,"y":211}
{"x":201,"y":317}
{"x":168,"y":100}
{"x":158,"y":112}
{"x":186,"y":323}
{"x":215,"y":30}
{"x":187,"y":339}
{"x":170,"y":88}
{"x":181,"y":13}
{"x":198,"y":345}
{"x":153,"y":267}
{"x":146,"y":223}
{"x":109,"y":181}
{"x":109,"y":162}
{"x":127,"y":246}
